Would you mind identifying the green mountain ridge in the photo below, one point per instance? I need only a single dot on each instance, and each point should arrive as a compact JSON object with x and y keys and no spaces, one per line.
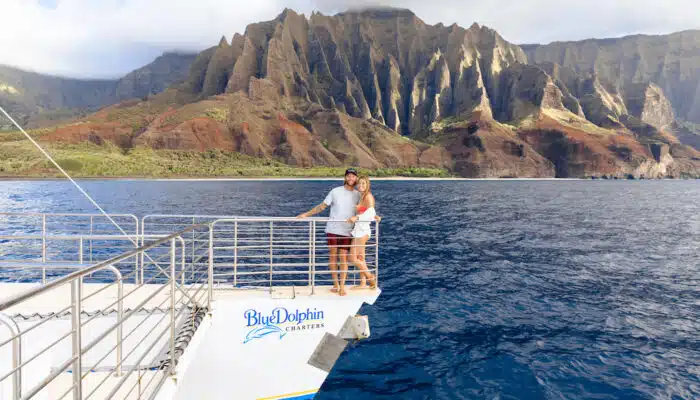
{"x":381,"y":89}
{"x":36,"y":99}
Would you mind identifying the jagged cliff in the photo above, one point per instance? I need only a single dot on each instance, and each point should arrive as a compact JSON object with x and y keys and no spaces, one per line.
{"x":382,"y":64}
{"x":380,"y":88}
{"x":669,"y":61}
{"x":419,"y":80}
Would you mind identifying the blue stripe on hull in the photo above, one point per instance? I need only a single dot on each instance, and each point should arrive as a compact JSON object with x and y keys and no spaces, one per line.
{"x":302,"y":397}
{"x":306,"y":395}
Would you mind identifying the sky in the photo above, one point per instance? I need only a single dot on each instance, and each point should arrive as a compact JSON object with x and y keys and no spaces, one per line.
{"x":109,"y":38}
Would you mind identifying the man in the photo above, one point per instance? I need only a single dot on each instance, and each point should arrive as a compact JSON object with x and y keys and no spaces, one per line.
{"x":342,"y":201}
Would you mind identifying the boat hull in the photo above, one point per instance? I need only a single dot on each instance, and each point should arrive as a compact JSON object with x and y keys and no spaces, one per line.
{"x":258,"y":347}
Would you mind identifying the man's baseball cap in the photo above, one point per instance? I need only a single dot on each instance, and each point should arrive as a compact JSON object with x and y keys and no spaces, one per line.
{"x":351,"y":171}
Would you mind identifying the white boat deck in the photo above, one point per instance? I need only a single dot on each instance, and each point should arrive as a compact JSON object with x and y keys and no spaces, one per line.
{"x":135,"y":387}
{"x":53,"y":300}
{"x":175,"y":337}
{"x":214,"y":348}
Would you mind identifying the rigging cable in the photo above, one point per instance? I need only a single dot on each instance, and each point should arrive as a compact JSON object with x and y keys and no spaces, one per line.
{"x":94,"y":203}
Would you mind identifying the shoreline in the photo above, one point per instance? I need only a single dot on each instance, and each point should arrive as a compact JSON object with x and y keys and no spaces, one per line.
{"x":304,"y":178}
{"x":282,"y":179}
{"x":262,"y":178}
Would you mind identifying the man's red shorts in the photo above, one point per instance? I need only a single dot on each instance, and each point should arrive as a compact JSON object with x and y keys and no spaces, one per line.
{"x":339,"y":241}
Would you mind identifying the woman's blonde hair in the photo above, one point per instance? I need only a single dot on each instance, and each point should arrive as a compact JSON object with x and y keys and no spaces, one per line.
{"x":369,"y":185}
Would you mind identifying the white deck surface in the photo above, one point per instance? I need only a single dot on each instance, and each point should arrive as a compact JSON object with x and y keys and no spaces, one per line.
{"x":212,"y":358}
{"x":137,"y":340}
{"x":58,"y":298}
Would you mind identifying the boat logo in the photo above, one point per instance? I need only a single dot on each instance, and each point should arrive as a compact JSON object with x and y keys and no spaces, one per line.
{"x":281,"y":321}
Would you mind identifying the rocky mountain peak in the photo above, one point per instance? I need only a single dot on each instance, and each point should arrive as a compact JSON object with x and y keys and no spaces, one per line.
{"x":647,"y":102}
{"x":363,"y":62}
{"x":338,"y":90}
{"x":669,"y":61}
{"x":380,"y":13}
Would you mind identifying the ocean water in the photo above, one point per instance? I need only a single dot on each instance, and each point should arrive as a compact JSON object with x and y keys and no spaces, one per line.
{"x":491,"y":289}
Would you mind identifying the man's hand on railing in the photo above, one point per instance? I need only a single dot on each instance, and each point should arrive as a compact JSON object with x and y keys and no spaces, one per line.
{"x":378,"y":218}
{"x":319,"y":208}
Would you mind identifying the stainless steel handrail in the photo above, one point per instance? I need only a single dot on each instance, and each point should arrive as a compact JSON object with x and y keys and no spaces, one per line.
{"x":35,"y":214}
{"x":81,"y":253}
{"x":120,"y":313}
{"x":75,"y":279}
{"x":45,"y":218}
{"x":87,"y":271}
{"x":284,"y":244}
{"x":16,"y":354}
{"x":302,"y":237}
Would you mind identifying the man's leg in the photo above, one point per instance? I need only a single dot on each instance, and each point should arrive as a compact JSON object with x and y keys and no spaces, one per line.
{"x":333,"y":265}
{"x":343,"y":269}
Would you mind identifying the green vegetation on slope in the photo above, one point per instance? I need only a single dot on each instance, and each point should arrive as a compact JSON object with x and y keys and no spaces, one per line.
{"x":18,"y":158}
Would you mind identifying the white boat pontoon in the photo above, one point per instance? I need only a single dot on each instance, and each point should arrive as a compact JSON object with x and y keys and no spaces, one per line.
{"x":171,"y":307}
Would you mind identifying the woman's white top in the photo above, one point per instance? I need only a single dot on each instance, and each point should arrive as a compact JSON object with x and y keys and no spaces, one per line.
{"x":364,"y":222}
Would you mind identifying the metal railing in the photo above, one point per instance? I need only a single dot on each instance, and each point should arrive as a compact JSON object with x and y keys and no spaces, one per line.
{"x":102,"y":341}
{"x":41,"y":237}
{"x":267,"y":252}
{"x":73,"y":254}
{"x":166,"y":275}
{"x":261,"y":251}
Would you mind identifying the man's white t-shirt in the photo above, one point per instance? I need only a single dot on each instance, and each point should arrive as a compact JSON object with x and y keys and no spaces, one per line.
{"x":342,"y":203}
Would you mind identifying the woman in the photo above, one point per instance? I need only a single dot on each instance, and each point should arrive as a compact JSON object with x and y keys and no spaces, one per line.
{"x":362,"y":231}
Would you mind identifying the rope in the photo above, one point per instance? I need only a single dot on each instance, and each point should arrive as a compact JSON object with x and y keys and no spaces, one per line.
{"x":94,"y":203}
{"x":134,"y":242}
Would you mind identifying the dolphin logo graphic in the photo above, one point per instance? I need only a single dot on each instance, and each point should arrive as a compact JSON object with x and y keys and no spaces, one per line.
{"x":262,"y":332}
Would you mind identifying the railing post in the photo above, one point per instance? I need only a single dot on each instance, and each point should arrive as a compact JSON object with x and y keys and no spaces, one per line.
{"x":120,"y":317}
{"x":137,"y":244}
{"x":313,"y":257}
{"x":80,"y":250}
{"x":271,"y":240}
{"x":16,"y":355}
{"x":235,"y":252}
{"x":192,"y":258}
{"x":210,"y":269}
{"x":182,"y":262}
{"x":43,"y":247}
{"x":80,"y":246}
{"x":76,"y":350}
{"x":376,"y":255}
{"x":172,"y":306}
{"x":91,"y":222}
{"x":137,"y":278}
{"x":311,"y":248}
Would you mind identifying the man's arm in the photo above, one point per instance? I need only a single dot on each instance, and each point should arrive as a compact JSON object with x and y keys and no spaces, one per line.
{"x":319,"y":208}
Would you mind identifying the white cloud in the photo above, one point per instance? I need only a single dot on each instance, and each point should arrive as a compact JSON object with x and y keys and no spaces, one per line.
{"x":107,"y":38}
{"x":543,"y":21}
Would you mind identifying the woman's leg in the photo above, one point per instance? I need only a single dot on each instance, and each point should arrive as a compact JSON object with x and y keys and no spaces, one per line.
{"x":354,"y":258}
{"x":368,"y":275}
{"x":359,"y":261}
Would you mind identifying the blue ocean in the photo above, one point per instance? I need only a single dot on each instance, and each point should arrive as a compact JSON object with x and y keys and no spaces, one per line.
{"x":491,"y":289}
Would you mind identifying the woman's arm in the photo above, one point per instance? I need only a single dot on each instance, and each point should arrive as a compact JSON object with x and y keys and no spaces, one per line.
{"x":368,"y":215}
{"x":372,"y":204}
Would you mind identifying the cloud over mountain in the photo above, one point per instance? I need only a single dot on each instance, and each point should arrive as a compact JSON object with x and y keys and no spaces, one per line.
{"x":107,"y":38}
